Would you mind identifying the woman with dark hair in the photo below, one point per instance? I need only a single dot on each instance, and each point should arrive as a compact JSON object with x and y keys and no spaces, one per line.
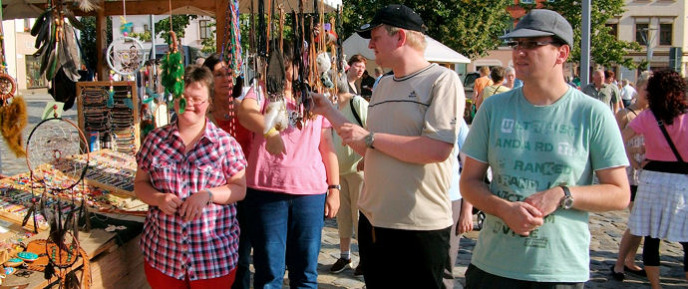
{"x":223,"y":115}
{"x":660,"y":211}
{"x":221,"y":111}
{"x":497,"y":74}
{"x":293,"y":181}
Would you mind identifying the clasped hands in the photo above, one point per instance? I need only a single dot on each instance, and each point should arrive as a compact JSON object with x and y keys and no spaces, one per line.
{"x":525,"y":216}
{"x":189,"y":209}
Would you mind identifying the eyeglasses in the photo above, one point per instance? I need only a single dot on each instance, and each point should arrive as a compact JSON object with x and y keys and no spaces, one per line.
{"x":528,"y":45}
{"x":196,"y":101}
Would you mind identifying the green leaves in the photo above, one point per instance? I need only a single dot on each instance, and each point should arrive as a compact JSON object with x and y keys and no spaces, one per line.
{"x":469,"y":27}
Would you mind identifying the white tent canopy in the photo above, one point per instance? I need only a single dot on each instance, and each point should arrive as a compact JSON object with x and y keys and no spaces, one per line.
{"x":435,"y":51}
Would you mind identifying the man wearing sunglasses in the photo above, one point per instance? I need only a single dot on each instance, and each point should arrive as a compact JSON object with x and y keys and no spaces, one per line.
{"x":543,"y":142}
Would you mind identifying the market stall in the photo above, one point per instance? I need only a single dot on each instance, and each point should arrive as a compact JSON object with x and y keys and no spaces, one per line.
{"x":110,"y":250}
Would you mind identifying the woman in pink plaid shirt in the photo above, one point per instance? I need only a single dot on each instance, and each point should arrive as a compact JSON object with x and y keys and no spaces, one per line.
{"x":191,"y":173}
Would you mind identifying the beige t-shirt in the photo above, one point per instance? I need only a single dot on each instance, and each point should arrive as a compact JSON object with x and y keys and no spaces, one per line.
{"x":402,"y":195}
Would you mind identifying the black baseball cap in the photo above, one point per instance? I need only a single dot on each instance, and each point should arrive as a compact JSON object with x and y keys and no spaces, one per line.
{"x":542,"y":22}
{"x":396,"y":15}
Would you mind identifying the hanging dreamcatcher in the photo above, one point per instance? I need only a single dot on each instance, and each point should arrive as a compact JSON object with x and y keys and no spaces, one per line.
{"x":125,"y":55}
{"x":54,"y":141}
{"x":13,"y":116}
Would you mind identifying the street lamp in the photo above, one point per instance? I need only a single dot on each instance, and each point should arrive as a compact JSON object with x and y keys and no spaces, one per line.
{"x":645,"y":34}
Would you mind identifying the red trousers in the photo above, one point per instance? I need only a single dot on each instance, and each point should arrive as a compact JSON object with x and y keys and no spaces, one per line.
{"x":157,"y":279}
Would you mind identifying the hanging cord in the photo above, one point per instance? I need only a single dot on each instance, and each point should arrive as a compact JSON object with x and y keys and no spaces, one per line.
{"x":3,"y":64}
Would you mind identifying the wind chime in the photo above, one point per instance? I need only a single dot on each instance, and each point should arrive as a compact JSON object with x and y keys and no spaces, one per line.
{"x":13,"y":116}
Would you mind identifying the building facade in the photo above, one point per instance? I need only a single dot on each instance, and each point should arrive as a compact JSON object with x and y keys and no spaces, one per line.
{"x":657,"y":25}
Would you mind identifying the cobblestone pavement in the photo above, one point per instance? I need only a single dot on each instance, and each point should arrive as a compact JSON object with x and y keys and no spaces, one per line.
{"x":606,"y":230}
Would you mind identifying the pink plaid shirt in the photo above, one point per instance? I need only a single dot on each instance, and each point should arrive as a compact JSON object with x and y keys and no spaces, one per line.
{"x":206,"y":247}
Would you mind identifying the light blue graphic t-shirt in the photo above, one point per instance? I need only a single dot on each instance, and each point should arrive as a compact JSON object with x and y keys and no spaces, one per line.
{"x":454,"y":191}
{"x":530,"y":149}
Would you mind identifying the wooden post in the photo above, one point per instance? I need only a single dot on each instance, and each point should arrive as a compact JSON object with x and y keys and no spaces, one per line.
{"x":101,"y":43}
{"x":220,"y":23}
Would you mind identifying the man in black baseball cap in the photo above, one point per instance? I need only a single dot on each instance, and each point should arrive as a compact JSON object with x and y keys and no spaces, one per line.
{"x":396,"y":15}
{"x":538,"y":234}
{"x":410,"y":160}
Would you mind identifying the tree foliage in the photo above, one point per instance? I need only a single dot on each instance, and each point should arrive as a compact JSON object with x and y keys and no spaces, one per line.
{"x":605,"y":48}
{"x":88,"y":40}
{"x":469,"y":27}
{"x":179,"y":23}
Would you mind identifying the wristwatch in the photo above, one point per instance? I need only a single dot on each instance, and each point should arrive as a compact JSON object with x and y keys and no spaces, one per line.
{"x":369,"y":139}
{"x":567,"y":201}
{"x":338,"y":187}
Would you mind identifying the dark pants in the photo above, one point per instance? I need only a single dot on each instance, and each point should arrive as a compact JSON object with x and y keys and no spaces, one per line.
{"x":394,"y":258}
{"x":243,"y":275}
{"x":626,"y":102}
{"x":651,"y":252}
{"x":479,"y":279}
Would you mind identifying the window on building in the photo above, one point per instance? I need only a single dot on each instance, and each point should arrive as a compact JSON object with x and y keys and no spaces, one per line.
{"x":527,"y":1}
{"x":205,"y":31}
{"x":27,"y":25}
{"x":613,"y":30}
{"x":665,"y":33}
{"x":641,"y":32}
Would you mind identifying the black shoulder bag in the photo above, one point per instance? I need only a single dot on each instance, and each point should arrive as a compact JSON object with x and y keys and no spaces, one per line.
{"x":673,"y":147}
{"x":353,"y":109}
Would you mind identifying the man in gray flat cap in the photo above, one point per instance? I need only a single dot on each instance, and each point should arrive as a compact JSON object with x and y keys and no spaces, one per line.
{"x":543,"y":151}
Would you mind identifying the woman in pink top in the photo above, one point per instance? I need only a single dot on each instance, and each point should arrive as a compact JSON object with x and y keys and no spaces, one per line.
{"x":293,"y":182}
{"x":660,"y":210}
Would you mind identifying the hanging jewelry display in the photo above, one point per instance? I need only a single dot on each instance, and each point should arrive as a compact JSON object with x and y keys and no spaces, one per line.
{"x":231,"y":53}
{"x":125,"y":55}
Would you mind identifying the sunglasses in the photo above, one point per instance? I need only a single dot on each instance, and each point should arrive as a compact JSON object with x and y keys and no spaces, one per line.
{"x":528,"y":45}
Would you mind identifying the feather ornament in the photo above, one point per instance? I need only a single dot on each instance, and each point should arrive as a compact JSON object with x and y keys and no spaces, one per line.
{"x":13,"y":118}
{"x":87,"y":5}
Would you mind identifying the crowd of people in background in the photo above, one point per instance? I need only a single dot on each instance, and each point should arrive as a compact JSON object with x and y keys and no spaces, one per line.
{"x":392,"y":158}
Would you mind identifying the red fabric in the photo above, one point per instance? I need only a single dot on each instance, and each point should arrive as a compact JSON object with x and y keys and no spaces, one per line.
{"x":241,"y":134}
{"x":157,"y":279}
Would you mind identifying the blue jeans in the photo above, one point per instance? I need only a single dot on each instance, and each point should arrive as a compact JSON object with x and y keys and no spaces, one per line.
{"x":242,"y":280}
{"x":283,"y":228}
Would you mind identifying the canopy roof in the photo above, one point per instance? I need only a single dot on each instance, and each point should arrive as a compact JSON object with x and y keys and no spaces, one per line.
{"x":18,"y":9}
{"x":435,"y":51}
